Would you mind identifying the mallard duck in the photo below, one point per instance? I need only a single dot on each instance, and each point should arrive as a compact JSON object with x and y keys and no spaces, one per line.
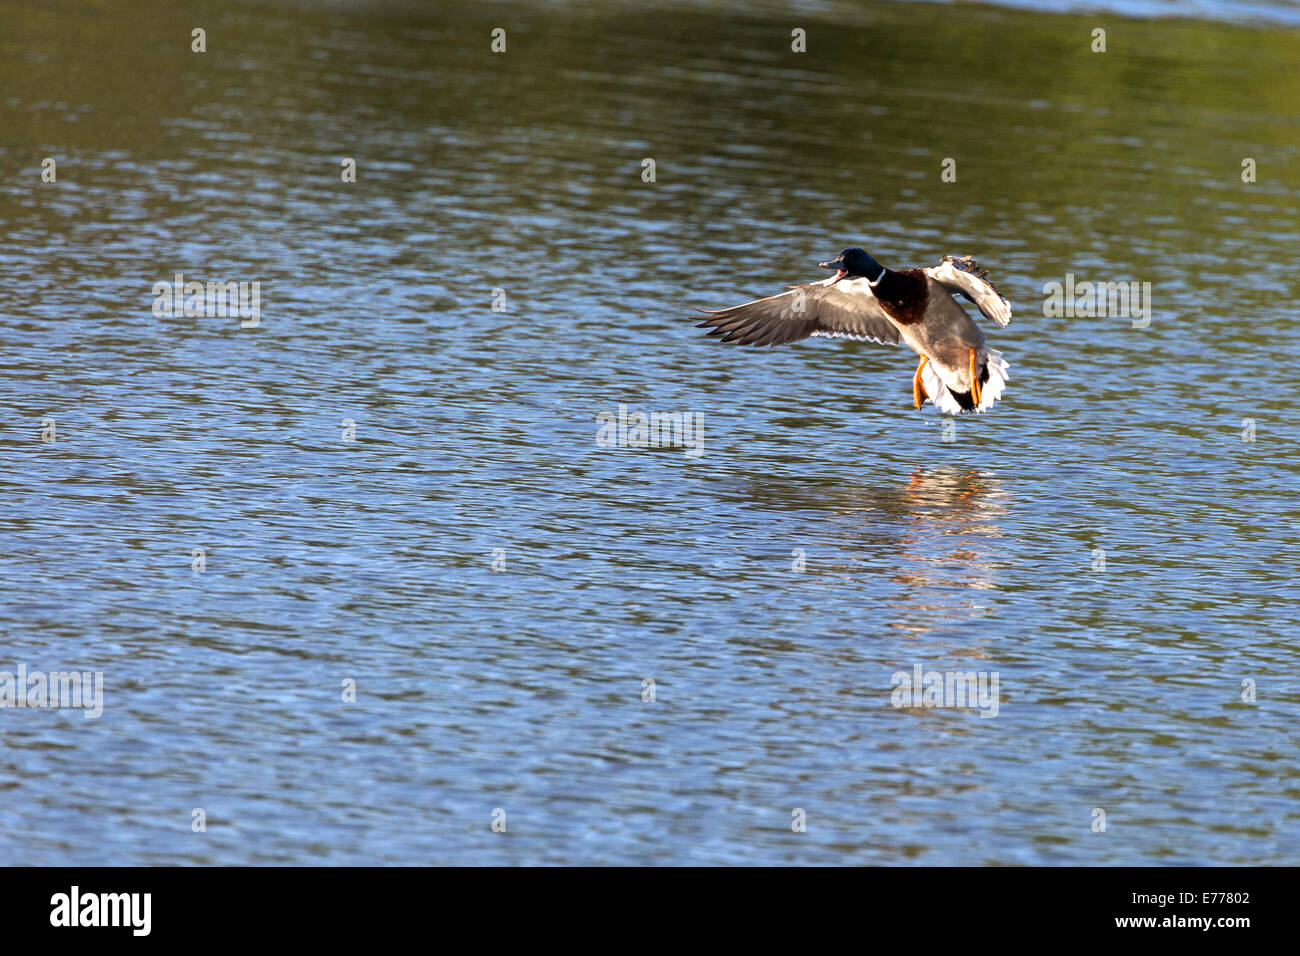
{"x":957,"y":372}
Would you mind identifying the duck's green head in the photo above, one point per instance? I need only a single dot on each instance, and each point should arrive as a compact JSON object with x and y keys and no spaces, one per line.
{"x":855,"y":264}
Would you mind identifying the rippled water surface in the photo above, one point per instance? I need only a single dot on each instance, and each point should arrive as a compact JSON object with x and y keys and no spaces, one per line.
{"x":978,"y":547}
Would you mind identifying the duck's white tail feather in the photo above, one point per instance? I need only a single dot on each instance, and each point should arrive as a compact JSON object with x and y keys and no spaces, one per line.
{"x":999,"y":375}
{"x":942,"y":398}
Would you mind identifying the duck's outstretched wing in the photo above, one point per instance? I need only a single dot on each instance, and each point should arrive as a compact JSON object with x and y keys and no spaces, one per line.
{"x":963,"y":275}
{"x":844,"y":309}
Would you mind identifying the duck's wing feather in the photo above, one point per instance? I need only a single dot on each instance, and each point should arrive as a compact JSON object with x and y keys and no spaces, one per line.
{"x":844,"y":309}
{"x":963,"y":275}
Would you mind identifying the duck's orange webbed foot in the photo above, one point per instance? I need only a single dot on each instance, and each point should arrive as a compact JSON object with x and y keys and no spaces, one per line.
{"x":975,"y":390}
{"x":918,"y":390}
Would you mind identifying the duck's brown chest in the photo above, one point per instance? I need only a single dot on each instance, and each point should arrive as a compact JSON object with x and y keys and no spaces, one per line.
{"x":903,"y":295}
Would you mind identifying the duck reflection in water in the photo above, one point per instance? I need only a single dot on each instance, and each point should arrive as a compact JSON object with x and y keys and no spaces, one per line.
{"x":929,"y":547}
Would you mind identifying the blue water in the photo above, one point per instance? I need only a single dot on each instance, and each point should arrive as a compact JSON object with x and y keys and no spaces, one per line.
{"x":826,"y":537}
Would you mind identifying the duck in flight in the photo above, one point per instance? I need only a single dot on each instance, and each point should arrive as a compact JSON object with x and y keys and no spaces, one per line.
{"x":957,"y":371}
